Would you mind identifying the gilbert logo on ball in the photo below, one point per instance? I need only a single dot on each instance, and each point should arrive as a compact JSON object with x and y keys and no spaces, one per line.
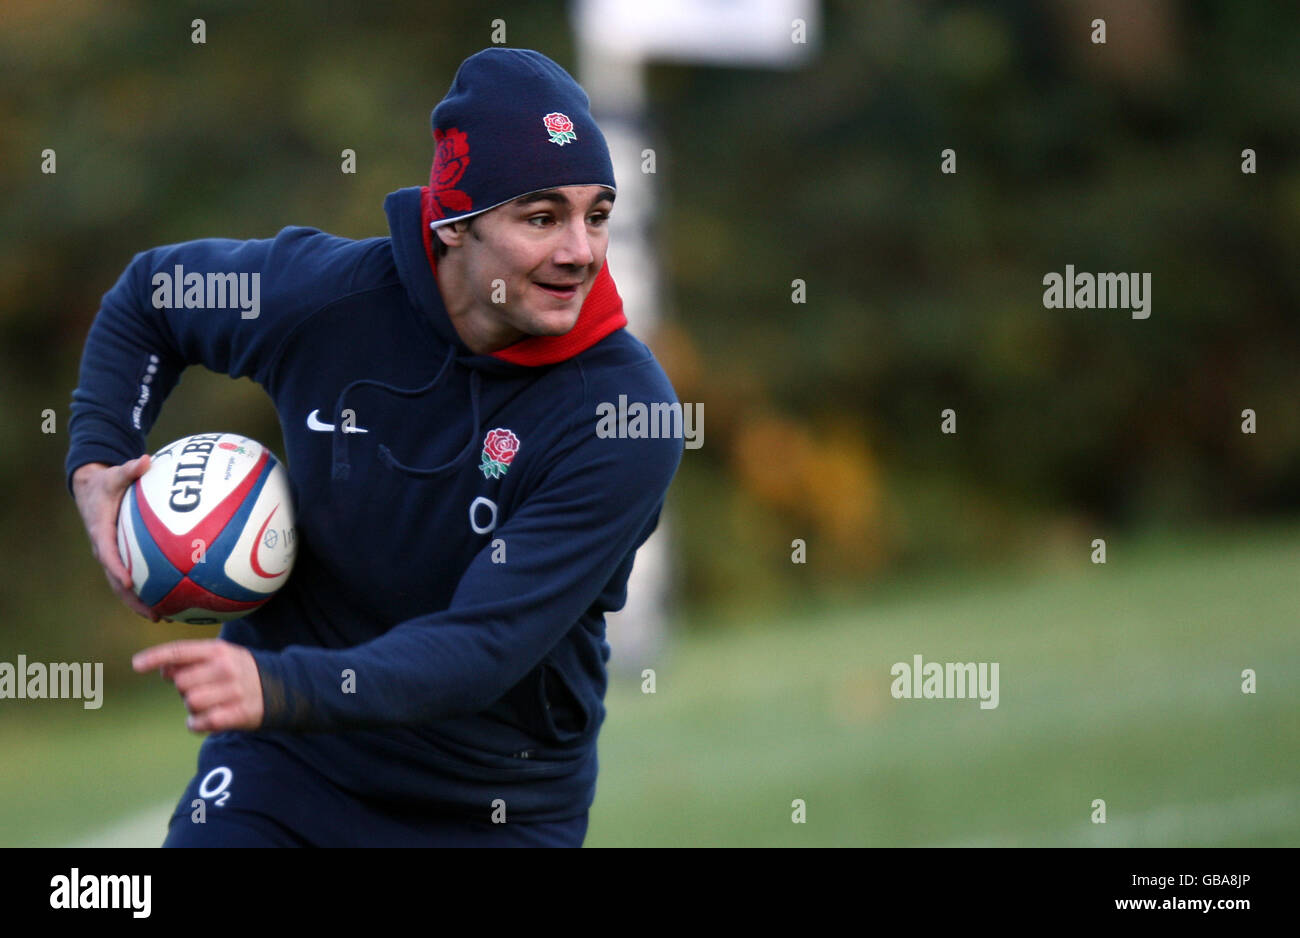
{"x":208,"y":533}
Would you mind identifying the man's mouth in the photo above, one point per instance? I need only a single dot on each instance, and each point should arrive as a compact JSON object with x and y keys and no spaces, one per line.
{"x":564,"y":291}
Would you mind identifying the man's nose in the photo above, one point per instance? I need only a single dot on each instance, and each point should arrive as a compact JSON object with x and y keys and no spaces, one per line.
{"x":575,"y":247}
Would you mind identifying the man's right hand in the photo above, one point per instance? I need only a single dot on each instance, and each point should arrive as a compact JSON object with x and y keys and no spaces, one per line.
{"x":98,"y":489}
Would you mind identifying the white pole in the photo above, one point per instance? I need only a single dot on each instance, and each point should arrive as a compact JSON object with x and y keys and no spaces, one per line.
{"x":615,"y":39}
{"x":616,"y":87}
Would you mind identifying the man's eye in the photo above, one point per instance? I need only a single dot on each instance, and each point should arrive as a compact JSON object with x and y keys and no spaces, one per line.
{"x":539,"y":218}
{"x":599,"y":218}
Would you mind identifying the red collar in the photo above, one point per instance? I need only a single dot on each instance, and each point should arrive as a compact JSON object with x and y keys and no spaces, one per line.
{"x":601,"y":314}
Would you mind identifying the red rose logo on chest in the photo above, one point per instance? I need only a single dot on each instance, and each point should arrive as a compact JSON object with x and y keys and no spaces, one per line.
{"x":499,"y":449}
{"x":450,"y":160}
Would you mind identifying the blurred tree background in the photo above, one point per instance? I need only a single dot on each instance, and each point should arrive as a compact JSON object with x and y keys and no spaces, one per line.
{"x":924,"y":290}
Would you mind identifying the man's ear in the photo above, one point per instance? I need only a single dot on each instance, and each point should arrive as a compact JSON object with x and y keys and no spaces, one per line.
{"x":453,"y":235}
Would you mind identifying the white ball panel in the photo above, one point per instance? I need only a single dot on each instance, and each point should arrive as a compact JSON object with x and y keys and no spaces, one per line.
{"x":270,"y":535}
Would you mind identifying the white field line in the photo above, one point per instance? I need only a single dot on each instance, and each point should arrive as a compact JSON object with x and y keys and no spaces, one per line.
{"x":145,"y":828}
{"x":1174,"y":824}
{"x":1182,"y":824}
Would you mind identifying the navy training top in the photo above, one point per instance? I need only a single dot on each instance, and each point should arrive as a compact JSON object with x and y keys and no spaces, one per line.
{"x":467,"y":601}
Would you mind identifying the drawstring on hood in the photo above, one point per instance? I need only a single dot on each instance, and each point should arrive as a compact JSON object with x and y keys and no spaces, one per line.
{"x":471,"y":448}
{"x":342,"y":468}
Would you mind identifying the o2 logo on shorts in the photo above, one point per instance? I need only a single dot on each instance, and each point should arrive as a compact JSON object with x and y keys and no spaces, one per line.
{"x":216,"y":783}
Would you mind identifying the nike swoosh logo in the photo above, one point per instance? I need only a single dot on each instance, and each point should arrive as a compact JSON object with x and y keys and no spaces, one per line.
{"x":315,"y":423}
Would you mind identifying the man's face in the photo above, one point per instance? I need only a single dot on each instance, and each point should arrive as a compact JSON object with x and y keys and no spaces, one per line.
{"x":528,"y":265}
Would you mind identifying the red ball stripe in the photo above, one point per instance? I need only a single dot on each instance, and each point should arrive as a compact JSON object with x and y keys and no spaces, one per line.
{"x":189,"y":595}
{"x":179,"y":548}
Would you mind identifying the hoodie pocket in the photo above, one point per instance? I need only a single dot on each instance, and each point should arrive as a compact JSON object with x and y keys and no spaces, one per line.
{"x":547,"y":705}
{"x":565,"y":716}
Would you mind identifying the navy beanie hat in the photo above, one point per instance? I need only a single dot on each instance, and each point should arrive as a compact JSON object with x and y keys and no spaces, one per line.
{"x":513,"y":122}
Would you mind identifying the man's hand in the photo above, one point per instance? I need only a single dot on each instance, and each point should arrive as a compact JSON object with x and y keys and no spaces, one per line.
{"x":218,"y":681}
{"x":98,"y":489}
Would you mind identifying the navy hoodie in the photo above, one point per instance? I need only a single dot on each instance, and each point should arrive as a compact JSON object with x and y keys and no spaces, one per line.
{"x":474,"y":679}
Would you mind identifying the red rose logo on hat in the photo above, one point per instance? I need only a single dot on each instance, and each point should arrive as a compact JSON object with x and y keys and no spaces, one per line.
{"x":499,"y":449}
{"x":560,"y":128}
{"x":450,"y":160}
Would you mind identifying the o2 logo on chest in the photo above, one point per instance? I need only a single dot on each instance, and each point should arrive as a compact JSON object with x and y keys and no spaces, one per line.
{"x":483,"y":515}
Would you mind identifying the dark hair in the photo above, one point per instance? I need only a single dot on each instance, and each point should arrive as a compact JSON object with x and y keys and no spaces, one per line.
{"x":440,"y":249}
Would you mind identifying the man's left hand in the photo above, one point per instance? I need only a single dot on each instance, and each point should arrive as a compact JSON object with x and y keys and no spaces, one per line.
{"x":218,"y":681}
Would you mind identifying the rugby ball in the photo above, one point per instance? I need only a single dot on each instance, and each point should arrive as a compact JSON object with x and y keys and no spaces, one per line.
{"x":208,"y":533}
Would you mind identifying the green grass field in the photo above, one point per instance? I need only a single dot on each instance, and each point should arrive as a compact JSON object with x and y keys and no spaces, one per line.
{"x":1120,"y":682}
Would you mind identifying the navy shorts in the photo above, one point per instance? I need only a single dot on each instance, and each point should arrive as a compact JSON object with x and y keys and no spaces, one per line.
{"x":257,"y":794}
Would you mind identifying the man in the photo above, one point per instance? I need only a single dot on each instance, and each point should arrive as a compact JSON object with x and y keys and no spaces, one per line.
{"x":433,"y":673}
